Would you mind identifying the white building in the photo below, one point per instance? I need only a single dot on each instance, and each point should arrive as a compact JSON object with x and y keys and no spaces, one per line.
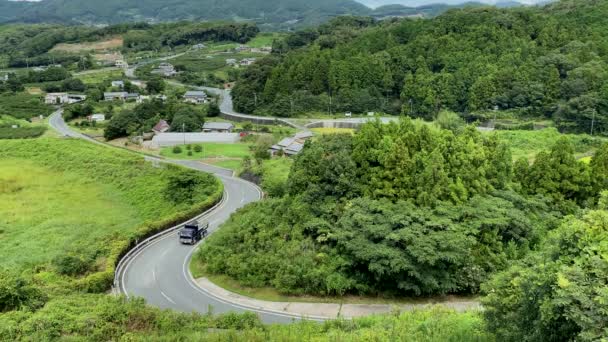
{"x":248,"y":61}
{"x":63,"y":98}
{"x":119,"y":95}
{"x":174,"y":139}
{"x":165,"y":70}
{"x":56,"y":98}
{"x":98,"y":117}
{"x":121,"y":64}
{"x":118,"y":84}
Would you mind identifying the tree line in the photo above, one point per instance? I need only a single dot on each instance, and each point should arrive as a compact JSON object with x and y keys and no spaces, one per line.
{"x":531,"y":62}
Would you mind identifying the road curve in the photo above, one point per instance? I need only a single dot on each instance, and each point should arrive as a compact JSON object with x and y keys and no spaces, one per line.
{"x":159,"y":272}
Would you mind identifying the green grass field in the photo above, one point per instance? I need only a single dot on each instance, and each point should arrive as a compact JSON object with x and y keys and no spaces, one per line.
{"x":265,"y":39}
{"x":210,"y":150}
{"x":527,"y":144}
{"x":98,"y":76}
{"x":69,"y":197}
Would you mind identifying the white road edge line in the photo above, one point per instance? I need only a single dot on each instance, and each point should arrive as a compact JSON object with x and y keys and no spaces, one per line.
{"x":167,"y":297}
{"x":123,"y":276}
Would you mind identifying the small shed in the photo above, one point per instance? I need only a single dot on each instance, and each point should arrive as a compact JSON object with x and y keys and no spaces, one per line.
{"x":161,"y":127}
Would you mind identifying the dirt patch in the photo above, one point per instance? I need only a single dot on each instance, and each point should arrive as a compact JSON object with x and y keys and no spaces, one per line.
{"x":34,"y":91}
{"x":109,"y":57}
{"x":114,"y":43}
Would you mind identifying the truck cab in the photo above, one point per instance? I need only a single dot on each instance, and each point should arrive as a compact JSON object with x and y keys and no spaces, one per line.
{"x":193,"y":233}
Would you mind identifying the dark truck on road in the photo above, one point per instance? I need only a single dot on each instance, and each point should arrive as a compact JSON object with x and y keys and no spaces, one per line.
{"x":193,"y":232}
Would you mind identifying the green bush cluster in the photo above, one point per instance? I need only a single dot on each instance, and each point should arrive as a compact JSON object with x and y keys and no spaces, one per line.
{"x":21,"y":132}
{"x":105,"y":318}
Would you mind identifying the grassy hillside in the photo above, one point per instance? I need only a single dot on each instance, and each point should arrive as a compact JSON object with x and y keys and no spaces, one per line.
{"x":70,"y":208}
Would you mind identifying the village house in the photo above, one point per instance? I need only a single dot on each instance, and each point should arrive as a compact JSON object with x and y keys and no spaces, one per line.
{"x":196,"y":97}
{"x":56,"y":98}
{"x":291,"y":146}
{"x":218,"y":127}
{"x":242,"y":48}
{"x":287,"y":146}
{"x":248,"y":61}
{"x":132,"y":97}
{"x":97,"y":117}
{"x":63,"y":98}
{"x":199,"y":46}
{"x":231,"y":62}
{"x":301,"y":137}
{"x":112,"y":96}
{"x":174,"y":139}
{"x":165,"y":70}
{"x":161,"y":127}
{"x":118,"y":84}
{"x":121,"y":64}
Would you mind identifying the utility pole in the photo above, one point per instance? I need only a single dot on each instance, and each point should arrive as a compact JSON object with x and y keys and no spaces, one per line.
{"x":255,"y":99}
{"x":184,"y":132}
{"x":411,"y":106}
{"x":593,"y":121}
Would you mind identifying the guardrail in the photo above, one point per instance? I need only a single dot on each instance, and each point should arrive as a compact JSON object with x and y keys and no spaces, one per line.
{"x":117,"y":287}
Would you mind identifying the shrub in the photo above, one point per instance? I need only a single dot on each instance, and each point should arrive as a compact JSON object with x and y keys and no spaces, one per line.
{"x":198,"y":148}
{"x":21,"y":132}
{"x":189,"y":147}
{"x":17,"y":292}
{"x":189,"y":153}
{"x":71,"y":265}
{"x":177,"y":150}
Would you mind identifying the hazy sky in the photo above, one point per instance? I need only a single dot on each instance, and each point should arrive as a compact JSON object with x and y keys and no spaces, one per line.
{"x":376,"y":3}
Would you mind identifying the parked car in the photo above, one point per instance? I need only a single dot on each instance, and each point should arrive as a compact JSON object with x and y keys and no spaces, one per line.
{"x":348,"y":114}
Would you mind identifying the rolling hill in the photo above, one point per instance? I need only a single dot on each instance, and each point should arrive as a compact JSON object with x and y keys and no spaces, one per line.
{"x":268,"y":14}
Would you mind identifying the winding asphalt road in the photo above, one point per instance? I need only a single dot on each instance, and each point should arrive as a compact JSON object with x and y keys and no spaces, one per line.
{"x":159,"y":271}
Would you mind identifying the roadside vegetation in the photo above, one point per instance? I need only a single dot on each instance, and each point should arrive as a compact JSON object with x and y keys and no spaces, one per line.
{"x":45,"y":181}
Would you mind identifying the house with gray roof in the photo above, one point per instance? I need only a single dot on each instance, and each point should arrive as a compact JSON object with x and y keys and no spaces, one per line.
{"x":196,"y":97}
{"x":218,"y":127}
{"x":117,"y":95}
{"x":288,"y":146}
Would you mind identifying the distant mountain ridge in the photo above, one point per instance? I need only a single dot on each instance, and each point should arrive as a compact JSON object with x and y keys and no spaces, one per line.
{"x":275,"y":14}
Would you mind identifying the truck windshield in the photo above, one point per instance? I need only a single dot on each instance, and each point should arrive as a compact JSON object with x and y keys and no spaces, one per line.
{"x":186,"y":233}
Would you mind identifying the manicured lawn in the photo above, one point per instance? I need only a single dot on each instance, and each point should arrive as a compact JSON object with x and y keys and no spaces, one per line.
{"x":210,"y":150}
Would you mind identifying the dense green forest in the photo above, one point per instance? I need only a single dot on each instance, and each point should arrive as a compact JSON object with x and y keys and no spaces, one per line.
{"x":409,"y":209}
{"x":532,"y":62}
{"x":271,"y":15}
